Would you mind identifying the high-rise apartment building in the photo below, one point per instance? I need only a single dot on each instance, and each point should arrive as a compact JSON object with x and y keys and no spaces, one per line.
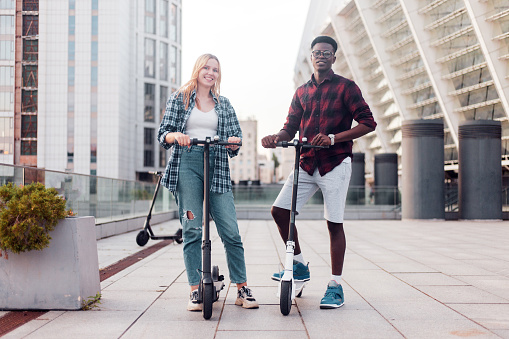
{"x":244,"y":167}
{"x":418,"y":59}
{"x":83,"y":83}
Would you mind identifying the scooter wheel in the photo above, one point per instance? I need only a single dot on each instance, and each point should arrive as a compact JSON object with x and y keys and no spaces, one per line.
{"x":208,"y":299}
{"x":142,"y":238}
{"x":285,"y":299}
{"x":215,"y":273}
{"x":178,"y":235}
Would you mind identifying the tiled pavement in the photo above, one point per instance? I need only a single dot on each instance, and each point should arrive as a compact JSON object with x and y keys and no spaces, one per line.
{"x":402,"y":279}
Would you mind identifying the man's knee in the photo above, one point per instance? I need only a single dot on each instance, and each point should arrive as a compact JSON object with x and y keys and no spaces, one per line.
{"x":279,"y":214}
{"x":334,"y":227}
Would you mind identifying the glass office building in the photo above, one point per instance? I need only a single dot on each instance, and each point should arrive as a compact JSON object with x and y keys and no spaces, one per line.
{"x":83,"y":84}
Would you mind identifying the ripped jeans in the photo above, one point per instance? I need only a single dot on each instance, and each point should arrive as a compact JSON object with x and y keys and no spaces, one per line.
{"x":189,"y":196}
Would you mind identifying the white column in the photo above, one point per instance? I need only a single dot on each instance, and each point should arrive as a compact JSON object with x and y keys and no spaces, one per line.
{"x":82,"y":81}
{"x":339,"y":25}
{"x":369,"y":18}
{"x":478,"y":13}
{"x":441,"y":87}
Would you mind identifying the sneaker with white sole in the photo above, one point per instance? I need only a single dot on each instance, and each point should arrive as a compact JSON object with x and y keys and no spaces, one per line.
{"x":194,"y":304}
{"x":245,"y":298}
{"x":334,"y":297}
{"x":300,"y":272}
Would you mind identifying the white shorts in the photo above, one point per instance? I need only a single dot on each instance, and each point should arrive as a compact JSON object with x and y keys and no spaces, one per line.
{"x":334,"y":186}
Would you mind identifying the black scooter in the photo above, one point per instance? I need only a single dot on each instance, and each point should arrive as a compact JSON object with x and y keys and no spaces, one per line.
{"x":288,"y":288}
{"x":146,"y":233}
{"x":211,"y":282}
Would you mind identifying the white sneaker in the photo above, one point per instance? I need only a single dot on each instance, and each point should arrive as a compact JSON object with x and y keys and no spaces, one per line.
{"x":193,"y":304}
{"x":245,"y":298}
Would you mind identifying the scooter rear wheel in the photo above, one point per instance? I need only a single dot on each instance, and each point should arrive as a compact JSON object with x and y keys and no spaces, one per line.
{"x":208,"y":300}
{"x":285,"y":297}
{"x":142,"y":238}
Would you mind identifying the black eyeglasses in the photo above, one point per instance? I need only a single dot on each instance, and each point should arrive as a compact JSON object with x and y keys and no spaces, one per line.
{"x":326,"y":54}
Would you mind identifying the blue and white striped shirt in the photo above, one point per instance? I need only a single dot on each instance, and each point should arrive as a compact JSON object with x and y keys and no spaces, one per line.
{"x":175,"y":119}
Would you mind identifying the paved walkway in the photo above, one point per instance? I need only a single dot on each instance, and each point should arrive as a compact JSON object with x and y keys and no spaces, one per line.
{"x":402,"y":279}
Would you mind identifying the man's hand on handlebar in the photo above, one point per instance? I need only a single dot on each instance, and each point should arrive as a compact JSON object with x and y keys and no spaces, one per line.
{"x":321,"y":140}
{"x":270,"y":141}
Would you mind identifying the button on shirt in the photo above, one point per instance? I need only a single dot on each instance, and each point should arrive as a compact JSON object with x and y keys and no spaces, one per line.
{"x":327,"y":108}
{"x":175,"y":119}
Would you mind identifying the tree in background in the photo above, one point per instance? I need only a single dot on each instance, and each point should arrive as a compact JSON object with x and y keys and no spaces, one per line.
{"x":276,"y":164}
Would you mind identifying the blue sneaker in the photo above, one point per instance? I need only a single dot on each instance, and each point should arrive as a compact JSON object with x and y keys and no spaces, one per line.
{"x":333,"y":297}
{"x":300,"y":272}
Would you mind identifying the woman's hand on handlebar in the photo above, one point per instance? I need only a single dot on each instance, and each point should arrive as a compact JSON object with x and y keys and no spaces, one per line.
{"x":234,"y":139}
{"x":182,"y":139}
{"x":270,"y":141}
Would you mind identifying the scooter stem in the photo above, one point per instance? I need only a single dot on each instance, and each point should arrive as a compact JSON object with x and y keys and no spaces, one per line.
{"x":206,"y":264}
{"x":288,"y":274}
{"x":294,"y":193}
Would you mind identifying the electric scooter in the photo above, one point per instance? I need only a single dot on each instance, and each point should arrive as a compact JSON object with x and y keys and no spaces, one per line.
{"x":211,"y":282}
{"x":288,"y":288}
{"x":146,"y":233}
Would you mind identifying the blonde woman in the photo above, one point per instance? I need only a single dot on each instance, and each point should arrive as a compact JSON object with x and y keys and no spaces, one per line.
{"x":197,"y":110}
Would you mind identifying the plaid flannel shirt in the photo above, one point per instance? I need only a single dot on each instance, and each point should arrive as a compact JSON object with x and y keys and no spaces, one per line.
{"x":327,"y":108}
{"x":175,"y":120}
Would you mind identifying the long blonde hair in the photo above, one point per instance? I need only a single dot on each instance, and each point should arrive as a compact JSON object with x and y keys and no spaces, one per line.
{"x":192,"y":84}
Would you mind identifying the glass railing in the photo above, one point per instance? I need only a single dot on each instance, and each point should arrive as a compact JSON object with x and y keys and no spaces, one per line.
{"x":264,"y":195}
{"x":452,"y":198}
{"x":104,"y":198}
{"x":112,"y":199}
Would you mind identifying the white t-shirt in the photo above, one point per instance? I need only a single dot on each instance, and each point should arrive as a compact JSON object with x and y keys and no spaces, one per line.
{"x":201,"y":124}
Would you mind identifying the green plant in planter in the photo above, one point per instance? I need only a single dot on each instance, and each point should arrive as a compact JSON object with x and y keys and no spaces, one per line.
{"x":27,"y":215}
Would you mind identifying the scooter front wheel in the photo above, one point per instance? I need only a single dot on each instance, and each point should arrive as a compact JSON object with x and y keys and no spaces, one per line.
{"x":142,"y":238}
{"x":208,"y":300}
{"x":285,"y":297}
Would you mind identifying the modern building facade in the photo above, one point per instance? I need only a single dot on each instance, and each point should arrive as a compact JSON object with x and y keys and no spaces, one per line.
{"x":418,"y":59}
{"x":7,"y":34}
{"x":83,"y":84}
{"x":244,"y":167}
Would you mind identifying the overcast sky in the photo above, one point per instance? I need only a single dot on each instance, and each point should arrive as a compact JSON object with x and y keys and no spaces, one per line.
{"x":257,"y":44}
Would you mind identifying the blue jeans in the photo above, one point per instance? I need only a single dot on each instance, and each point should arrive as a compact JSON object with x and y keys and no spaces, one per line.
{"x":189,"y":196}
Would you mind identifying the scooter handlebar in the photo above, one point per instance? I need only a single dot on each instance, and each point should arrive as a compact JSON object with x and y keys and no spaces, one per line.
{"x":297,"y":143}
{"x":211,"y":141}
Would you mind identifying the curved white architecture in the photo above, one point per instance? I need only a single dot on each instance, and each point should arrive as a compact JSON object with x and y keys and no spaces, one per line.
{"x":418,"y":59}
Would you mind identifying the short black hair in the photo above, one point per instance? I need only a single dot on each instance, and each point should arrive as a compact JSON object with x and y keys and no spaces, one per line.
{"x":326,"y":39}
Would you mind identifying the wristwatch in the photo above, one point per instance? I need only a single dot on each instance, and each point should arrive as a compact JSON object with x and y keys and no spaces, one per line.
{"x":331,"y":136}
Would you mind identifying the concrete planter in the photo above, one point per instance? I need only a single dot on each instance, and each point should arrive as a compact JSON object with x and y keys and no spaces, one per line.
{"x":59,"y":277}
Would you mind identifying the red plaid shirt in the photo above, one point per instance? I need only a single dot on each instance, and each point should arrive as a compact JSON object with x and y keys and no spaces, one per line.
{"x":326,"y":108}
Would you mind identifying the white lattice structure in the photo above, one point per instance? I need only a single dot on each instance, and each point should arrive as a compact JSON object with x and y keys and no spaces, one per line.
{"x":418,"y":59}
